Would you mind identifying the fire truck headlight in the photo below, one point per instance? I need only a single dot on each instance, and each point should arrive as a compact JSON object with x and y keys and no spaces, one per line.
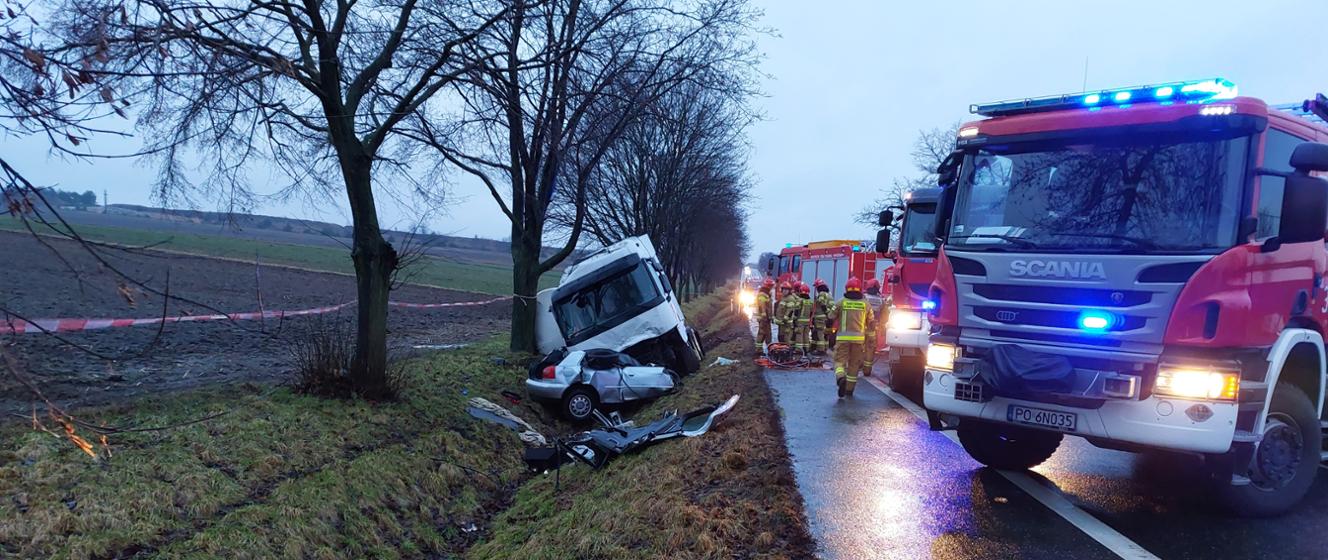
{"x":746,"y":298}
{"x":905,"y":320}
{"x":941,"y":356}
{"x":1196,"y":383}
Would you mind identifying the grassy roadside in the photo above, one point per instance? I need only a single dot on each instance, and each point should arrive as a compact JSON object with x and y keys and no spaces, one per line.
{"x":280,"y":475}
{"x":434,"y":271}
{"x":727,"y":494}
{"x":286,"y":475}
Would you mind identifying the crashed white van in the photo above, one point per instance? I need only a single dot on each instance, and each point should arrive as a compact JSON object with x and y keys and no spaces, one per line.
{"x":617,"y":298}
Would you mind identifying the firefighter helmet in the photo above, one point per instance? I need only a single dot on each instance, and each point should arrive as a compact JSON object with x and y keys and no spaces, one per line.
{"x":767,"y":285}
{"x":803,"y":289}
{"x":853,"y":285}
{"x":873,"y":285}
{"x":785,"y":285}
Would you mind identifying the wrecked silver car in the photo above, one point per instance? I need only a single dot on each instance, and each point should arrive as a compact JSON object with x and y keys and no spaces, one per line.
{"x":585,"y":379}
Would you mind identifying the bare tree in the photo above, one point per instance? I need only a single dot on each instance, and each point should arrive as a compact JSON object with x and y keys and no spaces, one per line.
{"x":555,"y":86}
{"x":929,"y":150}
{"x":677,"y":175}
{"x":317,"y":89}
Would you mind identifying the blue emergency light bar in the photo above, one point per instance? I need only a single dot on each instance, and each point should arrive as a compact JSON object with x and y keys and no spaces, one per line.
{"x":1197,"y":91}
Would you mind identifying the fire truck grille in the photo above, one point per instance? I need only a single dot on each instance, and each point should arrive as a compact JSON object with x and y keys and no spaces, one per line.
{"x":1048,"y":318}
{"x":1087,"y":297}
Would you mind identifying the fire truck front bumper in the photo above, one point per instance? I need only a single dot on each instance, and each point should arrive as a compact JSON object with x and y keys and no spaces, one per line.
{"x":906,"y":334}
{"x":1203,"y":426}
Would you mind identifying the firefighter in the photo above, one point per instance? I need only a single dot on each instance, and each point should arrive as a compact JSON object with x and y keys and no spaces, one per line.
{"x":854,"y":319}
{"x":821,"y":318}
{"x":783,"y":315}
{"x":764,"y":307}
{"x":877,"y":303}
{"x":802,"y":330}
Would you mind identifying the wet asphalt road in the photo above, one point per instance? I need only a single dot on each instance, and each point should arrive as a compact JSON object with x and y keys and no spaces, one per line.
{"x":879,"y":484}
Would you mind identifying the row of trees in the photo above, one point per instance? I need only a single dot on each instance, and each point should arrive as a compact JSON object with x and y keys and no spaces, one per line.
{"x":678,"y":176}
{"x":538,"y":99}
{"x":929,"y":151}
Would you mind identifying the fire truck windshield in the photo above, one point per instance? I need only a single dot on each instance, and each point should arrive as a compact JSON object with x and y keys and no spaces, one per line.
{"x":1177,"y":195}
{"x":919,"y":235}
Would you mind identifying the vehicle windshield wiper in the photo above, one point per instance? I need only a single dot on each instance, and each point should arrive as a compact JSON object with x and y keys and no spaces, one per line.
{"x":1140,"y":242}
{"x":1007,"y":238}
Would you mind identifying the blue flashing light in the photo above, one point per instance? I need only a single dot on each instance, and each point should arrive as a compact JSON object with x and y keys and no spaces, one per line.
{"x":1194,"y":91}
{"x":857,"y":248}
{"x":1095,"y":321}
{"x":788,"y":245}
{"x":928,"y":305}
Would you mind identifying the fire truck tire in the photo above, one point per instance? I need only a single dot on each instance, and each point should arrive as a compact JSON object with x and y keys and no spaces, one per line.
{"x":1003,"y":446}
{"x":1286,"y":460}
{"x":906,"y":377}
{"x":579,"y":401}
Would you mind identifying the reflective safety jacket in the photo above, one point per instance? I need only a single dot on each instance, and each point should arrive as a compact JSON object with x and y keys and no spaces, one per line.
{"x":762,"y":306}
{"x":877,"y":304}
{"x":825,"y":306}
{"x":805,"y":312}
{"x":789,"y":306}
{"x":855,"y":319}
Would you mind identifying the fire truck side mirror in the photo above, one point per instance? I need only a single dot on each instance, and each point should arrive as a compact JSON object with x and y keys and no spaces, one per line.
{"x":885,"y":218}
{"x":1304,"y":209}
{"x":883,"y":240}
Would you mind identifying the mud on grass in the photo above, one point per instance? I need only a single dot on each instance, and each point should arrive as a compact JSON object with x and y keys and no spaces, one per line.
{"x":280,"y":475}
{"x":727,"y":494}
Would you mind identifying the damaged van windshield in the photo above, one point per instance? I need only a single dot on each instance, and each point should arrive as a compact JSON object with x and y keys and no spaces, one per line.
{"x":624,"y":291}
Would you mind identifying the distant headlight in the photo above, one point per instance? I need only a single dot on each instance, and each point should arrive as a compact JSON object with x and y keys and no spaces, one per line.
{"x":941,"y":356}
{"x":905,"y":320}
{"x":1197,"y":383}
{"x":746,"y":298}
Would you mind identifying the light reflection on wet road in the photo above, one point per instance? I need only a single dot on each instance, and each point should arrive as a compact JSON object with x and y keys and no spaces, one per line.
{"x":879,"y":484}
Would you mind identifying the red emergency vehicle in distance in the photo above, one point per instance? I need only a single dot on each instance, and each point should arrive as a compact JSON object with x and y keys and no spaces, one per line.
{"x":1143,"y":267}
{"x":834,"y":261}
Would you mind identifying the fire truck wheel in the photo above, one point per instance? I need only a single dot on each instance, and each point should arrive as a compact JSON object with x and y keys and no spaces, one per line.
{"x":1286,"y":459}
{"x":906,"y":377}
{"x":1004,"y":446}
{"x":579,"y":401}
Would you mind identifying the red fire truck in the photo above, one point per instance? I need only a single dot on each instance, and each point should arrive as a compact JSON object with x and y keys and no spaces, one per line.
{"x":833,"y":261}
{"x":1142,"y":267}
{"x":909,"y":282}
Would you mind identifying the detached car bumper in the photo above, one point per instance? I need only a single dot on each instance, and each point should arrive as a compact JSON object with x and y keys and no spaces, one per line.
{"x":545,"y":390}
{"x":1156,"y":422}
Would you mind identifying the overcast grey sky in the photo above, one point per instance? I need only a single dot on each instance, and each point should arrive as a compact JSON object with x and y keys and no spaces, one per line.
{"x":852,"y":81}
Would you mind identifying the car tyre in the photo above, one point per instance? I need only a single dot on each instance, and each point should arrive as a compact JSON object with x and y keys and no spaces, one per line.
{"x":1003,"y":446}
{"x":1284,"y":463}
{"x":579,"y":403}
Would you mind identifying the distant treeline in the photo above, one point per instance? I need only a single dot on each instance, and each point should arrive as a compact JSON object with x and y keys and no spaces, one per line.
{"x":277,"y":223}
{"x":65,"y":199}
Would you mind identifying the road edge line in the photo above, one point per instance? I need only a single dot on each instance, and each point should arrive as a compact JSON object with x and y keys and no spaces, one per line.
{"x":1051,"y":498}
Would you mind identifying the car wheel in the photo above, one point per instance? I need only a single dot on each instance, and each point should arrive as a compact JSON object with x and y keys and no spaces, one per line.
{"x":579,"y":403}
{"x":1285,"y":461}
{"x":1004,"y":446}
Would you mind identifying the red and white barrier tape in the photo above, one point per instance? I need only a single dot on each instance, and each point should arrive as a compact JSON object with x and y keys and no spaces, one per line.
{"x":19,"y":326}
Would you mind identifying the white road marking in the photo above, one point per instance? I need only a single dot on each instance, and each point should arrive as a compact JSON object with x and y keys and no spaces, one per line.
{"x":1118,"y":544}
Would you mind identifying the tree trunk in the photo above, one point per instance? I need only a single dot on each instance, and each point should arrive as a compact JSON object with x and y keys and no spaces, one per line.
{"x":525,"y":284}
{"x":375,"y":259}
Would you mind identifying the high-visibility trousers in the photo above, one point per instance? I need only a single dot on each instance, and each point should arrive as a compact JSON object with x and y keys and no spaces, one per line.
{"x":869,"y":353}
{"x":762,"y":334}
{"x":819,"y":338}
{"x":848,"y":361}
{"x":802,"y":334}
{"x":785,"y":331}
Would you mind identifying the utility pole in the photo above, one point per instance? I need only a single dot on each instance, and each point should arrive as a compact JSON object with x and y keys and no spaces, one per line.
{"x":105,"y":202}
